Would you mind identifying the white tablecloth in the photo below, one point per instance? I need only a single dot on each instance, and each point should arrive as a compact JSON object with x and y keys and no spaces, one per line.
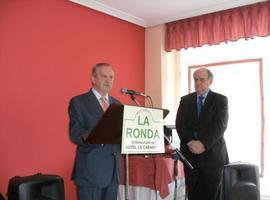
{"x":144,"y":193}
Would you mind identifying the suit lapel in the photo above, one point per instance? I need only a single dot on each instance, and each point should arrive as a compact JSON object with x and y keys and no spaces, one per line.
{"x":193,"y":105}
{"x":208,"y":102}
{"x":110,"y":100}
{"x":94,"y":103}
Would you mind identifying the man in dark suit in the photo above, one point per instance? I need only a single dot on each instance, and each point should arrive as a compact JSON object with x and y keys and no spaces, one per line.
{"x":97,"y":166}
{"x":201,"y":122}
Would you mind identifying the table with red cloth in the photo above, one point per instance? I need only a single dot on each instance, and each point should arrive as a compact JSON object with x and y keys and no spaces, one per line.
{"x":152,"y":171}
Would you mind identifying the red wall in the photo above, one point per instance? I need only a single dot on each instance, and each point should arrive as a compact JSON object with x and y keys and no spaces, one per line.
{"x":47,"y":49}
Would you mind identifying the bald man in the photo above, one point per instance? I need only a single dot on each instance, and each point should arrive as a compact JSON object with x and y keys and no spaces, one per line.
{"x":201,"y":121}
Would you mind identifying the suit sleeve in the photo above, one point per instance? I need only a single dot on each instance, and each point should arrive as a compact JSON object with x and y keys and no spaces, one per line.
{"x":76,"y":123}
{"x":217,"y":127}
{"x":184,"y":133}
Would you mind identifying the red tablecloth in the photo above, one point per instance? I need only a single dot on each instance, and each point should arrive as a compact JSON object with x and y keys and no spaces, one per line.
{"x":153,"y":171}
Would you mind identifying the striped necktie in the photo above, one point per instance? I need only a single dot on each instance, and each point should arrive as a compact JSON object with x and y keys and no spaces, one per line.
{"x":104,"y":103}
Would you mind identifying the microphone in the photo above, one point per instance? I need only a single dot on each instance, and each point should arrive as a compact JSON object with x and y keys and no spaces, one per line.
{"x":132,"y":92}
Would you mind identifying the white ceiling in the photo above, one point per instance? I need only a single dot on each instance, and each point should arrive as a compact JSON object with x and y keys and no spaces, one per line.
{"x":148,"y":13}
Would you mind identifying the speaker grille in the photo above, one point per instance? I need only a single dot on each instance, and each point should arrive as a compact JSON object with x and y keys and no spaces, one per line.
{"x":241,"y":182}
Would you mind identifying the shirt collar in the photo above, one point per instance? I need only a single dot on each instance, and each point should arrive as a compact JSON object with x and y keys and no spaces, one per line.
{"x":204,"y":94}
{"x":98,"y":96}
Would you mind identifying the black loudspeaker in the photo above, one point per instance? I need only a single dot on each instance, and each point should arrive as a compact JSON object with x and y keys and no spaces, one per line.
{"x":36,"y":187}
{"x":241,"y":182}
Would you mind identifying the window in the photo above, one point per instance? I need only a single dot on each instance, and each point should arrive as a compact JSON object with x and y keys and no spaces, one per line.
{"x":241,"y":70}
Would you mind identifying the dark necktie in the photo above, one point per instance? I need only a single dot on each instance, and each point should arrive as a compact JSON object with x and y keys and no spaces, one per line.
{"x":200,"y":105}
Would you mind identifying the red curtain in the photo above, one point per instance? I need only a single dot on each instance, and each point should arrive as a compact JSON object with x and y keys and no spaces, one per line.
{"x":229,"y":25}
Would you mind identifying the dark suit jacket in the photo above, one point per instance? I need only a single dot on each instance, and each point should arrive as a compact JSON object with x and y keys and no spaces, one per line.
{"x":210,"y":128}
{"x":96,"y":165}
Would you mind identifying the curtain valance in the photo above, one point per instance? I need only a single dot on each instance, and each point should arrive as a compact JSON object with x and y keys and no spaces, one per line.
{"x":229,"y":25}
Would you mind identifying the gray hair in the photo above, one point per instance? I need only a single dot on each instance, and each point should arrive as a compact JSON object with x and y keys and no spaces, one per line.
{"x":210,"y":74}
{"x":97,"y":66}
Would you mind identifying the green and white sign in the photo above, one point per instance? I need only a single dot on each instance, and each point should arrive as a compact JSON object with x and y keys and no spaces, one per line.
{"x":142,"y":130}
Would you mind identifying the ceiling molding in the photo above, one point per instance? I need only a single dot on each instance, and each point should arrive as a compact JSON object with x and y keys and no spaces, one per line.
{"x":111,"y":11}
{"x":94,"y":4}
{"x":202,"y":11}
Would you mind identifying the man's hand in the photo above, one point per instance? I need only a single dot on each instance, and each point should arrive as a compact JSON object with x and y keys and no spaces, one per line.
{"x":196,"y":147}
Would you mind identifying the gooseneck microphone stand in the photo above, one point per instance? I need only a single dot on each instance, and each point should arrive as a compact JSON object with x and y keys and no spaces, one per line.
{"x":127,"y":171}
{"x":175,"y":173}
{"x":127,"y":180}
{"x":135,"y":100}
{"x":177,"y":155}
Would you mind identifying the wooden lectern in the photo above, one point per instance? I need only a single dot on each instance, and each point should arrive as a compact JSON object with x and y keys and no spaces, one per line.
{"x":108,"y":130}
